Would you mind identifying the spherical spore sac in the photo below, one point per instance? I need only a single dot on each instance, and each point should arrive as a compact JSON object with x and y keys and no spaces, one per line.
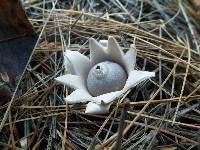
{"x":106,"y":77}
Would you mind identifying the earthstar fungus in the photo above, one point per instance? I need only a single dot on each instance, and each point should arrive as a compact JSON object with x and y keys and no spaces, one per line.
{"x":104,"y":77}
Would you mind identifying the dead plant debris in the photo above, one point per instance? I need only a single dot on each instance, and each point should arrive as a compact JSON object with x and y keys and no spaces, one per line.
{"x":162,"y":113}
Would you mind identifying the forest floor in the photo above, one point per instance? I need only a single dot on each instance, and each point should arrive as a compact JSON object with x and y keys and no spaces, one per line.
{"x":161,"y":113}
